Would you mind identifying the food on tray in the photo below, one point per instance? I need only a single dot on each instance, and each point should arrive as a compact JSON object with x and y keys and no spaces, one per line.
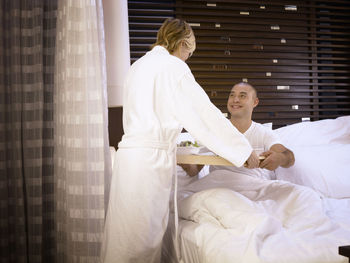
{"x":189,"y":147}
{"x":188,"y":143}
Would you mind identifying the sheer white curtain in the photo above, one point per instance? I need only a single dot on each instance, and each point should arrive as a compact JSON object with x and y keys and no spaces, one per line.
{"x":82,"y":158}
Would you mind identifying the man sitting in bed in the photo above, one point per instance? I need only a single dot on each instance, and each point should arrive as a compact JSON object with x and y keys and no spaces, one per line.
{"x":241,"y":102}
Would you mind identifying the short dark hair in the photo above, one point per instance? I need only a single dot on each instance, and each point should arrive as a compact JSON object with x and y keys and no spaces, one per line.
{"x":248,"y":84}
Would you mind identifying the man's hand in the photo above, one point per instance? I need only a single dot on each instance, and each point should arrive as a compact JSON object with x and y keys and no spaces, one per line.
{"x":272,"y":160}
{"x":278,"y":155}
{"x":253,"y":161}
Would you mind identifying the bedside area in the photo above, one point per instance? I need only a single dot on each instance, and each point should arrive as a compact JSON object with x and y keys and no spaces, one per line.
{"x":345,"y":251}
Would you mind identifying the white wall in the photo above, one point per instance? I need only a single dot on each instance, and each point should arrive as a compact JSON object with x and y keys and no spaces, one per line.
{"x":117,"y":48}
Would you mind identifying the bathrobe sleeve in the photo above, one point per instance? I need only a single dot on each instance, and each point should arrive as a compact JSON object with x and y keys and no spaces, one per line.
{"x":206,"y":123}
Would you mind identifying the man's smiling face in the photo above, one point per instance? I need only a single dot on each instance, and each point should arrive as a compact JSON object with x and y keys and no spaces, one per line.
{"x":241,"y":101}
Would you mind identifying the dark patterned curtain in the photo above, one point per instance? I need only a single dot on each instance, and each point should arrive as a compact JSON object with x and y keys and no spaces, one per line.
{"x":27,"y":54}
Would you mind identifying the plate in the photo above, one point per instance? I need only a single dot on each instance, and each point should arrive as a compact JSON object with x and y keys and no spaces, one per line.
{"x":184,"y":150}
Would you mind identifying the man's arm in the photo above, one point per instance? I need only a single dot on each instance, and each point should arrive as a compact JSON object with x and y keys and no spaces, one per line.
{"x":278,"y":155}
{"x":192,"y":169}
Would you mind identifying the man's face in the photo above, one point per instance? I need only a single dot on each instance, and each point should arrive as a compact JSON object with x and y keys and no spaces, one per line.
{"x":241,"y":101}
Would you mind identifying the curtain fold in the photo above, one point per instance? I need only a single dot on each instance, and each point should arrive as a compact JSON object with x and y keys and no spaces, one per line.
{"x":27,"y":53}
{"x":82,"y":156}
{"x":54,"y":153}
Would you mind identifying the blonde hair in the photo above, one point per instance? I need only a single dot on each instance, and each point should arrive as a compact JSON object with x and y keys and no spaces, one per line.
{"x":174,"y":31}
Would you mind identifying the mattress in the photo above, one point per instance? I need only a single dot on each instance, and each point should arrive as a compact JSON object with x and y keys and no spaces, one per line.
{"x":189,"y":250}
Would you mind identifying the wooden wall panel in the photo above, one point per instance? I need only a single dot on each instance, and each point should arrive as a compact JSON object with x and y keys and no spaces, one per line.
{"x":296,"y":53}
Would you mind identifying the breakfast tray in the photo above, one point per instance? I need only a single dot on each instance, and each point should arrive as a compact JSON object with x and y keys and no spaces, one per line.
{"x":202,"y":159}
{"x":205,"y":159}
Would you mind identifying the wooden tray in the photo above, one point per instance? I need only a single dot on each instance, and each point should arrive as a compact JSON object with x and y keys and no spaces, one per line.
{"x":202,"y":159}
{"x":205,"y":159}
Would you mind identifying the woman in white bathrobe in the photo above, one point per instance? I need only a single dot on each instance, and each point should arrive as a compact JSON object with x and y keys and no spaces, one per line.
{"x":161,"y":97}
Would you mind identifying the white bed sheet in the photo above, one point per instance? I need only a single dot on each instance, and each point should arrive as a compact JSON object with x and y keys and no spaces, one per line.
{"x":322,"y":155}
{"x":303,"y":219}
{"x":245,"y":219}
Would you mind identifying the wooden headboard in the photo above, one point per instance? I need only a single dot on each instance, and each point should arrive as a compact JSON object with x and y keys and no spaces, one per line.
{"x":115,"y":125}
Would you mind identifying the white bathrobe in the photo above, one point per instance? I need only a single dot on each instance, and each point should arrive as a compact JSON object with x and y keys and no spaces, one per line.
{"x":161,"y":97}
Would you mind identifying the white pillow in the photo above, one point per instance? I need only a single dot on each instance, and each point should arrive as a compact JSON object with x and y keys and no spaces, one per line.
{"x":316,"y":133}
{"x":324,"y":168}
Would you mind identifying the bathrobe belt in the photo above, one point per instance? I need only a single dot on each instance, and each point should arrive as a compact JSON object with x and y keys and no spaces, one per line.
{"x":137,"y":143}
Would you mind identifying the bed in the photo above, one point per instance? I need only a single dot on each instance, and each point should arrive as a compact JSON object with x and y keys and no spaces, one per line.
{"x":302,"y":216}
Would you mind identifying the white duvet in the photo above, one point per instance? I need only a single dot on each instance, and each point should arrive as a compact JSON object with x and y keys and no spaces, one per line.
{"x":229,"y":217}
{"x":245,"y":219}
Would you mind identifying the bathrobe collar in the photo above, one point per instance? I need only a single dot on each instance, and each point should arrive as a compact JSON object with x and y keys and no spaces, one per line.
{"x":163,"y":50}
{"x":160,"y":49}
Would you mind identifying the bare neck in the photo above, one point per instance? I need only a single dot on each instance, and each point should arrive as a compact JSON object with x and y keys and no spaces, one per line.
{"x":241,"y":124}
